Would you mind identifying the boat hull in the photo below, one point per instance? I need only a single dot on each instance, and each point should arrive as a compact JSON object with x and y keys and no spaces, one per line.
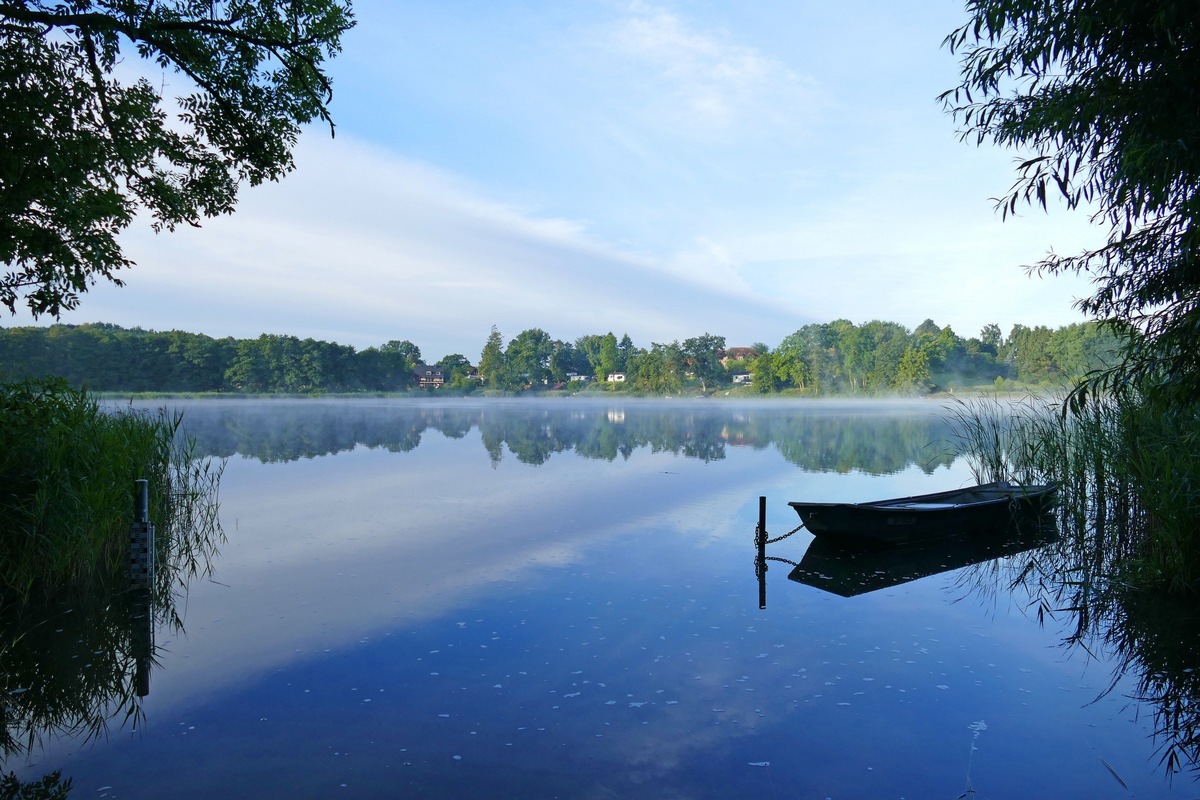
{"x":988,"y":507}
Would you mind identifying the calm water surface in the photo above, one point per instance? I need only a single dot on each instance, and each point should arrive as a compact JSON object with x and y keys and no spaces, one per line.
{"x":474,"y":599}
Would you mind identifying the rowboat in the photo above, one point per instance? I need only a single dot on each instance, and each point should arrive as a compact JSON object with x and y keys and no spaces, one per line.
{"x":989,"y":506}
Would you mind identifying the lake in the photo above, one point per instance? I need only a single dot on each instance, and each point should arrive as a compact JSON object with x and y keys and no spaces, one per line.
{"x":478,"y":598}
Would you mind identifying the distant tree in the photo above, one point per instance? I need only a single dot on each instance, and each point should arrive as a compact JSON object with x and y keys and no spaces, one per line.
{"x":881,"y":346}
{"x":493,"y":366}
{"x":602,"y":354}
{"x":947,"y":351}
{"x":251,"y":370}
{"x":457,"y":370}
{"x":528,"y":356}
{"x":912,"y":373}
{"x":991,"y":338}
{"x":82,"y":153}
{"x":1029,"y":352}
{"x":405,"y":349}
{"x":562,"y":360}
{"x":804,"y":359}
{"x":609,"y":357}
{"x":625,"y":350}
{"x":703,"y":357}
{"x":658,"y":370}
{"x":926,"y":331}
{"x":851,"y":352}
{"x":388,"y":368}
{"x":764,"y":375}
{"x":1102,"y":99}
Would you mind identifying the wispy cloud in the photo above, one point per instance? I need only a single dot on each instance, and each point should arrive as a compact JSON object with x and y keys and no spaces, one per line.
{"x":701,"y":81}
{"x":361,"y":246}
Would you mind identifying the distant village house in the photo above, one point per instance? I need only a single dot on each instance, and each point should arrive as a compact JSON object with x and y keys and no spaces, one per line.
{"x":738,"y":354}
{"x":429,"y":377}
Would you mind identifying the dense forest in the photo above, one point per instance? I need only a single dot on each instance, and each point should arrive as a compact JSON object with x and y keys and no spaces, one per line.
{"x":836,"y":358}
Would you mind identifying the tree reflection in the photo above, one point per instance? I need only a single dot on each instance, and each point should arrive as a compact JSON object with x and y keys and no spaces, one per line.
{"x":876,"y":439}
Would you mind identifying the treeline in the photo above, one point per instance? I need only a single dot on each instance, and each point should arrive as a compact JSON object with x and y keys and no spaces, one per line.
{"x":881,"y":357}
{"x":107,"y":357}
{"x":835,"y":358}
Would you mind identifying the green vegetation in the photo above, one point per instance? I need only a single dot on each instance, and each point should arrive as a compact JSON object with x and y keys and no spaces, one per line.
{"x":838,"y":358}
{"x":50,"y":787}
{"x":1122,"y":576}
{"x":84,"y":151}
{"x":1128,"y":476}
{"x":67,"y":472}
{"x":109,"y":358}
{"x":883,"y":357}
{"x":76,"y":641}
{"x":1100,"y":100}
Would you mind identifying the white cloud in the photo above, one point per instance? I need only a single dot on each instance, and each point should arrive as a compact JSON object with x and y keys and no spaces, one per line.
{"x":362,"y":246}
{"x":701,"y":80}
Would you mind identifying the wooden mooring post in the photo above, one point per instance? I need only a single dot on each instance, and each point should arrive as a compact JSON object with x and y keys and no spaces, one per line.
{"x":141,"y":538}
{"x":760,"y":540}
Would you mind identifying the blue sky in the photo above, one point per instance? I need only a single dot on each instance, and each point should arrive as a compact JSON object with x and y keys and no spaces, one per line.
{"x":663,"y":169}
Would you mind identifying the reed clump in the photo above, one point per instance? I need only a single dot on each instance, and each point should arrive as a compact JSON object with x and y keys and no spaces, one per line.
{"x":1128,"y":472}
{"x":67,"y":471}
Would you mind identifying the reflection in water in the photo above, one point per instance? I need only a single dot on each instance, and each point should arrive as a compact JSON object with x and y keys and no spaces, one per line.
{"x":71,"y":665}
{"x":876,"y":439}
{"x":849,"y":572}
{"x":1153,"y":638}
{"x":73,"y":660}
{"x":425,"y":625}
{"x":1158,"y":639}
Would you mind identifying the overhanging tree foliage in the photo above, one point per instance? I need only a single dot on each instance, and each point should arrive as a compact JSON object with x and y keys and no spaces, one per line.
{"x":1103,"y":98}
{"x":82,"y":150}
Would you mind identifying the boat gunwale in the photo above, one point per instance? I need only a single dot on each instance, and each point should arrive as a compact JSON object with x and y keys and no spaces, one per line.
{"x":897,"y":520}
{"x":1006,"y":493}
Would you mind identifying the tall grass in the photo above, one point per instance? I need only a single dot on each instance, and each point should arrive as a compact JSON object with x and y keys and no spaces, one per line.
{"x":1126,"y":569}
{"x":74,"y":635}
{"x":67,"y":471}
{"x":1128,"y":473}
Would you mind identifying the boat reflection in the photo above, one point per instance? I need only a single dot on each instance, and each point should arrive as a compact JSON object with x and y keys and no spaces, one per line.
{"x":849,"y":572}
{"x":1065,"y":574}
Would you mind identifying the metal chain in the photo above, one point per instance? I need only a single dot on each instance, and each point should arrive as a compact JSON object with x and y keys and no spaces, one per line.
{"x":760,"y":565}
{"x":796,"y":529}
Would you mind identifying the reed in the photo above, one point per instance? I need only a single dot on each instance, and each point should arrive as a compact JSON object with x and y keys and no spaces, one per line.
{"x":74,"y":634}
{"x":67,"y":470}
{"x":1124,"y":572}
{"x":1128,"y":472}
